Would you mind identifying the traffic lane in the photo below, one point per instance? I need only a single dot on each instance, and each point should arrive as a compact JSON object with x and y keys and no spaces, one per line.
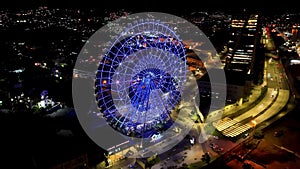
{"x":262,"y":105}
{"x":281,"y":101}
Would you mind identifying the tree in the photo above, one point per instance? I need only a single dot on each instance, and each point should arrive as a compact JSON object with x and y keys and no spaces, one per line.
{"x":205,"y":157}
{"x":152,"y":162}
{"x":247,"y":166}
{"x":106,"y":159}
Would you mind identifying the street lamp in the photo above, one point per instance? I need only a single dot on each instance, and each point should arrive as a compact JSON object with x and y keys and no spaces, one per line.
{"x":253,"y":122}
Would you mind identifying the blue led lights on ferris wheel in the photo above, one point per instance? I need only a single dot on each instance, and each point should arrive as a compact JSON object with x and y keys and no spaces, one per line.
{"x":146,"y":82}
{"x":140,"y":79}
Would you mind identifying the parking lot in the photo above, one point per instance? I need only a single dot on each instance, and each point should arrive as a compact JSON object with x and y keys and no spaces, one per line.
{"x":276,"y":149}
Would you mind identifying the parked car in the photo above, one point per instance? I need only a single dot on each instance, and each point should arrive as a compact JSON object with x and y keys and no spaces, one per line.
{"x":278,"y":133}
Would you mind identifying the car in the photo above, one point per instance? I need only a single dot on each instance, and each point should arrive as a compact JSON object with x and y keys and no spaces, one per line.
{"x":220,"y":149}
{"x":278,"y":133}
{"x":214,"y":146}
{"x":216,"y":137}
{"x":130,"y":152}
{"x":211,"y":145}
{"x":131,"y":166}
{"x":246,"y":135}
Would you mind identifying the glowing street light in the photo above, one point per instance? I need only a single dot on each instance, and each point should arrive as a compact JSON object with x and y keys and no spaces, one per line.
{"x":253,"y":122}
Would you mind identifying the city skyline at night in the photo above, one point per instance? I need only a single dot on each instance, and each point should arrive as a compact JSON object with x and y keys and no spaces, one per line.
{"x":160,"y":89}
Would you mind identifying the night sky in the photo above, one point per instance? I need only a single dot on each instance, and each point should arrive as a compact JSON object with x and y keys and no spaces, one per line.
{"x":265,"y":7}
{"x":27,"y":143}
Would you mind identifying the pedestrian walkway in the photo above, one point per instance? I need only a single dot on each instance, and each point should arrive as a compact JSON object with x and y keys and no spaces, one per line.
{"x":230,"y":127}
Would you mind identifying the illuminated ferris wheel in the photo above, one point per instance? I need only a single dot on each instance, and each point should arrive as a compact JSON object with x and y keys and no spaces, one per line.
{"x":140,"y":79}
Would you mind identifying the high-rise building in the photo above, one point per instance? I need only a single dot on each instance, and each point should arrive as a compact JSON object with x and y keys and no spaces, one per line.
{"x":244,"y":54}
{"x":242,"y":43}
{"x":242,"y":67}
